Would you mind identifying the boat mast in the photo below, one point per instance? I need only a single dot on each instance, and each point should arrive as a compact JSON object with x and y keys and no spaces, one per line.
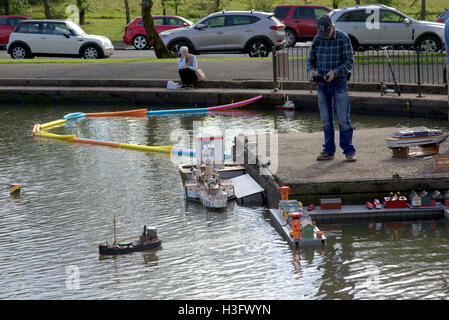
{"x":114,"y":230}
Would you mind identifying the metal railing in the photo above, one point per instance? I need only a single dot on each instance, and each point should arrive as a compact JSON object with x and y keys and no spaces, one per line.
{"x":370,"y":65}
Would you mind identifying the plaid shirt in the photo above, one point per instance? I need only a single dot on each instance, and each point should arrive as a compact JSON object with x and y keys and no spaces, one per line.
{"x":334,"y":54}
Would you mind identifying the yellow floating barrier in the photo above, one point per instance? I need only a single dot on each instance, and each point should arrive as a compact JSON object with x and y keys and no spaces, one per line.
{"x":52,"y":124}
{"x":67,"y":137}
{"x":166,"y":149}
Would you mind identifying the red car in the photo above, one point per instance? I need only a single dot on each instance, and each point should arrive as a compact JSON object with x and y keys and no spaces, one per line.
{"x":135,"y":32}
{"x":300,"y":21}
{"x":7,"y":25}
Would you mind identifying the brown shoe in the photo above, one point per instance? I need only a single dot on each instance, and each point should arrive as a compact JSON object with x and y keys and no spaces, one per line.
{"x":324,"y":156}
{"x":351,"y":158}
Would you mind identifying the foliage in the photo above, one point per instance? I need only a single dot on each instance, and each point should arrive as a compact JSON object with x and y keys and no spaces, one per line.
{"x":262,"y":5}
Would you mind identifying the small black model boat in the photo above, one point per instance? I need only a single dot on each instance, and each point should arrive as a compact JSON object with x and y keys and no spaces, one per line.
{"x":147,"y":240}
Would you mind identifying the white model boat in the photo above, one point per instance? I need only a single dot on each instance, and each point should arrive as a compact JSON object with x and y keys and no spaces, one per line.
{"x":207,"y":188}
{"x":416,"y":137}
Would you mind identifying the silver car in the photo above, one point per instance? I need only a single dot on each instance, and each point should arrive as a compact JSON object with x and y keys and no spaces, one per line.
{"x":251,"y":32}
{"x":379,"y":25}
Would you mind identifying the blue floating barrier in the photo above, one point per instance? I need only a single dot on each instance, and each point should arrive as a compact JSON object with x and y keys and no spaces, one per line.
{"x":75,"y":115}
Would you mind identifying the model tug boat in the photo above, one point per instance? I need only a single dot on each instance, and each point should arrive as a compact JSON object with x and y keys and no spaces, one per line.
{"x":205,"y":185}
{"x":147,"y":240}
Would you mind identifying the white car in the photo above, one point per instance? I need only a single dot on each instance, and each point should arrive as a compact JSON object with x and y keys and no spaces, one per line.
{"x":379,"y":25}
{"x":56,"y":38}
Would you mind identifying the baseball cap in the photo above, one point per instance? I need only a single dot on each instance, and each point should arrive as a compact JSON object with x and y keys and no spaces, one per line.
{"x":324,"y":26}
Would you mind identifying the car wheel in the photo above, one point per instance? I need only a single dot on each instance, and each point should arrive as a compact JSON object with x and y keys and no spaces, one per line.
{"x":140,"y":42}
{"x":259,"y":48}
{"x":290,"y":38}
{"x":175,"y":46}
{"x":91,"y":52}
{"x":428,"y":44}
{"x":20,"y":52}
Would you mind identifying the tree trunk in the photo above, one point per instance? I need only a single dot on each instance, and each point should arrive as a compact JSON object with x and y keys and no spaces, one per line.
{"x":47,"y":9}
{"x":128,"y":19}
{"x":335,"y":4}
{"x":164,"y":11}
{"x":6,"y":4}
{"x":159,"y":47}
{"x":217,"y":5}
{"x":357,"y":1}
{"x":82,"y":16}
{"x":423,"y":9}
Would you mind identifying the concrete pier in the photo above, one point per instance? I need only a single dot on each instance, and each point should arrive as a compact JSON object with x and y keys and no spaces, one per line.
{"x":374,"y":175}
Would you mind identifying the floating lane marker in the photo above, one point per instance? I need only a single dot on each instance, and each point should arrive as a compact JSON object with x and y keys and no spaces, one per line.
{"x":43,"y":134}
{"x":190,"y":153}
{"x":165,"y":149}
{"x":97,"y":142}
{"x":52,"y":124}
{"x":127,"y":113}
{"x":75,"y":115}
{"x":37,"y":129}
{"x":235,"y":105}
{"x":198,"y":110}
{"x":175,"y":111}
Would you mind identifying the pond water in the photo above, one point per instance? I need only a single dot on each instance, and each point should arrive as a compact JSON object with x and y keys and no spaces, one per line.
{"x":70,"y":193}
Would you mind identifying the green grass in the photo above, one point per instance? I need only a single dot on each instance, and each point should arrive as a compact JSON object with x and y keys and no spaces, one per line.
{"x":107,"y":17}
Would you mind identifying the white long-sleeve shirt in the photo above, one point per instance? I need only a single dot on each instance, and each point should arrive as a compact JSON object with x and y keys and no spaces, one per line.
{"x":182,"y":63}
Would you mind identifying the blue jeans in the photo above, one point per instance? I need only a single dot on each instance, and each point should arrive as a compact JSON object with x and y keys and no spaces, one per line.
{"x":335,"y":95}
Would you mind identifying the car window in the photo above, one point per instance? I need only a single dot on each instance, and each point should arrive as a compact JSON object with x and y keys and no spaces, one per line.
{"x":390,"y":17}
{"x":170,"y":21}
{"x":14,"y":21}
{"x":215,"y":22}
{"x":304,"y":13}
{"x":159,"y":21}
{"x":320,"y":12}
{"x":58,"y":29}
{"x":445,"y":14}
{"x":355,"y":16}
{"x":28,"y":28}
{"x":4,"y":22}
{"x":281,"y":12}
{"x":241,"y":20}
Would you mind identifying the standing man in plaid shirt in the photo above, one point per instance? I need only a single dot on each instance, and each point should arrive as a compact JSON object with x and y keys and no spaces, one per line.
{"x":331,"y":56}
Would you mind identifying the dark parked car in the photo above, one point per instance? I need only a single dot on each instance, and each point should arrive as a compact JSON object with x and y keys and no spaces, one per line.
{"x":300,"y":21}
{"x":7,"y":25}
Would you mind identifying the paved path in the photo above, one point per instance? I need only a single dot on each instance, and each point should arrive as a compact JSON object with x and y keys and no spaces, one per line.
{"x":215,"y":70}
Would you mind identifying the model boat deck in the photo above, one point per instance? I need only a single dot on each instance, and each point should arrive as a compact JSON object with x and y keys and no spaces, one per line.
{"x":284,"y":228}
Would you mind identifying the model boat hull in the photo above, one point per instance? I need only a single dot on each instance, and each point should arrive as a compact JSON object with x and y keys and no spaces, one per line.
{"x":111,"y":250}
{"x":415,"y":141}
